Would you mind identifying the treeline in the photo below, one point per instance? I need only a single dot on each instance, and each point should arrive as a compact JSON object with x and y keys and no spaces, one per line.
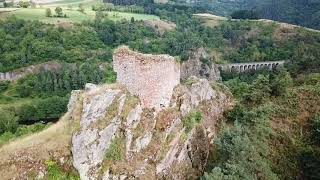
{"x":47,"y":109}
{"x":300,"y":12}
{"x":37,"y":111}
{"x":48,"y":90}
{"x":30,"y":42}
{"x":46,"y":94}
{"x":61,"y":81}
{"x":245,"y":14}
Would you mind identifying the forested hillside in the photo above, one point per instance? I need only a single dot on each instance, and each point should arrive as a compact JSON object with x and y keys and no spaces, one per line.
{"x":272,"y":131}
{"x":300,"y":12}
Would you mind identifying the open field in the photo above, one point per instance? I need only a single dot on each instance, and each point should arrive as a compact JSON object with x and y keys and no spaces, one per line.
{"x":3,"y":10}
{"x":73,"y":16}
{"x":210,"y":20}
{"x":70,"y":8}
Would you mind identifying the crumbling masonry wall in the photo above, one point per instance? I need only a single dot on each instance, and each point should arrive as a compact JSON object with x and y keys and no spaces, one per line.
{"x":151,"y":77}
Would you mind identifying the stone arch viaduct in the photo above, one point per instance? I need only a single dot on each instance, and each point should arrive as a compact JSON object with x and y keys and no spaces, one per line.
{"x":241,"y":67}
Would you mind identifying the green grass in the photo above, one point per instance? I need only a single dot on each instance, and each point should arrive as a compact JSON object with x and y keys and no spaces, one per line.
{"x":73,"y":3}
{"x":192,"y":119}
{"x":64,"y":2}
{"x":74,"y":16}
{"x":23,"y":130}
{"x":55,"y":171}
{"x":116,"y":150}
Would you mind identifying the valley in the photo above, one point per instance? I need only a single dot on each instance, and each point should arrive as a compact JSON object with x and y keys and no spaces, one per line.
{"x":141,"y":90}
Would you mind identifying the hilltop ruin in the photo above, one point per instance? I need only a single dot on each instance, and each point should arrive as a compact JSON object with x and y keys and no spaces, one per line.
{"x":150,"y":77}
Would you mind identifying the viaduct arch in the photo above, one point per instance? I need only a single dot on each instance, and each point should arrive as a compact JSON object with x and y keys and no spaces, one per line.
{"x":241,"y":67}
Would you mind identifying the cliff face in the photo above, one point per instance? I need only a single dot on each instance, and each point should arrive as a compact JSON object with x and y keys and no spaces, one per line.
{"x":200,"y":66}
{"x":19,"y":73}
{"x":119,"y":138}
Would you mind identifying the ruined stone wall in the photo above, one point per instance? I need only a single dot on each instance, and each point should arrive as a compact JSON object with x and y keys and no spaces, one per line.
{"x":151,"y":77}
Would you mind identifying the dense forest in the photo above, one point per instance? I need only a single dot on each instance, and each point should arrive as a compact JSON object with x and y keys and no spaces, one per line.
{"x":300,"y":12}
{"x":273,"y":130}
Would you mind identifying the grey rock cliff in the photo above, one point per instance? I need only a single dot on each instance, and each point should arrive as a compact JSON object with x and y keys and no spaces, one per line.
{"x":152,"y":144}
{"x":199,"y":65}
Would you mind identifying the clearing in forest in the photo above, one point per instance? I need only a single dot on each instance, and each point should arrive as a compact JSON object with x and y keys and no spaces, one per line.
{"x":70,"y":9}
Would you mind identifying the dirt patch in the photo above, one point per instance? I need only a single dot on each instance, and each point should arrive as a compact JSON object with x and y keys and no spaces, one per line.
{"x":210,"y":20}
{"x":284,"y":31}
{"x":160,"y":26}
{"x":65,"y":25}
{"x":207,"y":15}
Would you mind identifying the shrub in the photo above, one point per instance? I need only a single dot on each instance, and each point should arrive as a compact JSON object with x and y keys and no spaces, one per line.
{"x":310,"y":162}
{"x":48,"y":12}
{"x":8,"y":121}
{"x":193,"y":118}
{"x":52,"y":107}
{"x":81,"y":8}
{"x":58,"y":11}
{"x":6,"y":137}
{"x":316,"y":128}
{"x":44,"y":109}
{"x":4,"y":85}
{"x":54,"y":171}
{"x":260,"y":90}
{"x":24,"y":4}
{"x":116,"y":150}
{"x":25,"y":85}
{"x":280,"y":82}
{"x":27,"y":112}
{"x":238,"y":112}
{"x":110,"y":75}
{"x":21,"y":131}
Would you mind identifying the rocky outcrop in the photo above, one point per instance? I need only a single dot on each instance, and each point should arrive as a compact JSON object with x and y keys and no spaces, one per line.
{"x":199,"y":65}
{"x":33,"y":69}
{"x":19,"y":73}
{"x":118,"y":138}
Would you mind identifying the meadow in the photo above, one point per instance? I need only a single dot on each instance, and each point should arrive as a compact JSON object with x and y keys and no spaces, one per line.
{"x":70,"y":8}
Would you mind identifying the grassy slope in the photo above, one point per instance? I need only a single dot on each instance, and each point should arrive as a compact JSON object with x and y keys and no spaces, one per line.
{"x":73,"y":15}
{"x":38,"y":146}
{"x":212,"y":20}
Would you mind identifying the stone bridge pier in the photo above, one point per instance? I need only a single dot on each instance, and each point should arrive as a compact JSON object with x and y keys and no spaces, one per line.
{"x":241,"y":67}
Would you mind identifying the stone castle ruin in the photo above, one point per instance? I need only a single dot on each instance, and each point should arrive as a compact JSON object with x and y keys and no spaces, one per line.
{"x":150,"y":77}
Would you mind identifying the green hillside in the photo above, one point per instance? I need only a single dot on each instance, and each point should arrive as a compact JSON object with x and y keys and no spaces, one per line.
{"x":301,"y":12}
{"x":272,"y":132}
